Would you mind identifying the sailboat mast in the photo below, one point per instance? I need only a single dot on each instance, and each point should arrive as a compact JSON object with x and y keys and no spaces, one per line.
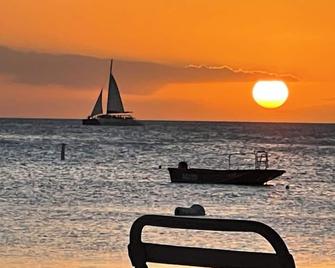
{"x":114,"y":102}
{"x":109,"y":85}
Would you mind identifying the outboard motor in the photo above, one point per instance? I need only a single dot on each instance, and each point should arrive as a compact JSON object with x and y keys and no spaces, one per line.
{"x":182,"y":165}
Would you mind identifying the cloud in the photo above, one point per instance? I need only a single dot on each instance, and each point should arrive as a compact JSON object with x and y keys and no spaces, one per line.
{"x":48,"y":69}
{"x":134,"y":77}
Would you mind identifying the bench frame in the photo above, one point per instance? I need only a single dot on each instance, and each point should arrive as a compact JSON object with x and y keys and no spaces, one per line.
{"x":140,"y":253}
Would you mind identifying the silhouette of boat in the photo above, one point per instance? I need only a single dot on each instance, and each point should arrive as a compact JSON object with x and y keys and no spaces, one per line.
{"x":115,"y":114}
{"x":257,"y":176}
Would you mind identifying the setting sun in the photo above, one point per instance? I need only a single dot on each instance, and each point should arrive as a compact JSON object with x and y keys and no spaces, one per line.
{"x":270,"y":94}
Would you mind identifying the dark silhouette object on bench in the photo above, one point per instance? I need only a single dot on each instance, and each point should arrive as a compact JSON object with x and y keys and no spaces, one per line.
{"x":194,"y":210}
{"x":140,"y":253}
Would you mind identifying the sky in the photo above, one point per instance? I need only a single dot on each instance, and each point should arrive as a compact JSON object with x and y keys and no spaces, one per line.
{"x":173,"y":60}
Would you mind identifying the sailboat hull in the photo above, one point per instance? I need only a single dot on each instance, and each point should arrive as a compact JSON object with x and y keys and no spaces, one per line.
{"x":110,"y":122}
{"x":92,"y":122}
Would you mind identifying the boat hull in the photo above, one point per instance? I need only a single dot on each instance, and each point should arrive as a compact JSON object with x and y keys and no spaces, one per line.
{"x":110,"y":122}
{"x":240,"y":177}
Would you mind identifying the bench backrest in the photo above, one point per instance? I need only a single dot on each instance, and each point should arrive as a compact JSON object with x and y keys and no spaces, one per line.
{"x":140,"y":253}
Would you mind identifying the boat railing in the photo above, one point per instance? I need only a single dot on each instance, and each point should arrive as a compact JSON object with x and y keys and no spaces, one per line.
{"x":261,"y":158}
{"x":125,"y":115}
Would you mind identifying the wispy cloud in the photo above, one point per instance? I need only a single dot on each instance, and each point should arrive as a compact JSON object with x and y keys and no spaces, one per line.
{"x":76,"y":71}
{"x":247,"y":74}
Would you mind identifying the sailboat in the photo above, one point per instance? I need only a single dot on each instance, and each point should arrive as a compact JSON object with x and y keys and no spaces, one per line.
{"x":115,"y":114}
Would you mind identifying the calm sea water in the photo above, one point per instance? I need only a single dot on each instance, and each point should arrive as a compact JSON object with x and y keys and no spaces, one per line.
{"x":82,"y":208}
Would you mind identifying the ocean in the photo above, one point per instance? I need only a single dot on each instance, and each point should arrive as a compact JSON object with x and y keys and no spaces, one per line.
{"x":78,"y":212}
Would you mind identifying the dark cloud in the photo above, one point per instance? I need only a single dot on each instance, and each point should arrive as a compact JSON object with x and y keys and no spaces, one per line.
{"x":134,"y":77}
{"x":49,"y":69}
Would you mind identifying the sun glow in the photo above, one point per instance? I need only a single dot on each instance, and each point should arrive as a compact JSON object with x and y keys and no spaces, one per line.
{"x":270,"y":94}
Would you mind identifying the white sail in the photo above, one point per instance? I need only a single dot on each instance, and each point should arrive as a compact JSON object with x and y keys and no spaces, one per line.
{"x":114,"y":102}
{"x":97,"y":109}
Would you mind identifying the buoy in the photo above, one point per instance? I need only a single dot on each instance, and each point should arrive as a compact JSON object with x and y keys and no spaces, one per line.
{"x":287,"y":187}
{"x":62,"y":155}
{"x":194,"y":210}
{"x":160,"y":166}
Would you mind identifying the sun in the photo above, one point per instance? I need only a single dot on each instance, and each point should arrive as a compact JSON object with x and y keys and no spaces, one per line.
{"x":270,"y":94}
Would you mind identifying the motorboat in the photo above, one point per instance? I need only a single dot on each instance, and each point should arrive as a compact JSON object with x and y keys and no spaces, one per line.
{"x":257,"y":176}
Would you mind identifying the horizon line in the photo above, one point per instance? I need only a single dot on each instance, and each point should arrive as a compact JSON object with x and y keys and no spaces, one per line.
{"x":177,"y":120}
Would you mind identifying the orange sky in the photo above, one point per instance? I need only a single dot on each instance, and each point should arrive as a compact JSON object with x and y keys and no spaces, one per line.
{"x":285,"y":36}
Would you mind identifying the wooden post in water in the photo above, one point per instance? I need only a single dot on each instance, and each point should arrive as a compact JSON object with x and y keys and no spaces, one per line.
{"x":62,"y":155}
